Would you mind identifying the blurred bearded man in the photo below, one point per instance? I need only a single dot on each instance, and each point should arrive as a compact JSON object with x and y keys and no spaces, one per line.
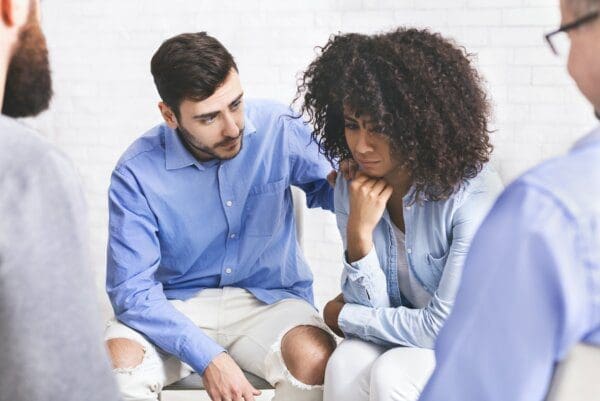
{"x":50,"y":341}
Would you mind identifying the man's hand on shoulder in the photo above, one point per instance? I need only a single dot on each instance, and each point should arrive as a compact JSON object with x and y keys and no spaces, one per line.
{"x":348,"y":168}
{"x":225,"y":381}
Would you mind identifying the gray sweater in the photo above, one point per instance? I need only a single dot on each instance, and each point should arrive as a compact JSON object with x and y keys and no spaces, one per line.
{"x":50,"y":333}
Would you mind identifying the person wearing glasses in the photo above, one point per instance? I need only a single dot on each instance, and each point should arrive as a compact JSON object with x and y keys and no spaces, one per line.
{"x":539,"y":293}
{"x":409,"y":108}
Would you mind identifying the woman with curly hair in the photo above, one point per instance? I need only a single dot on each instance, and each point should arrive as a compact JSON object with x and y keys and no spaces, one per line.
{"x":410,"y":109}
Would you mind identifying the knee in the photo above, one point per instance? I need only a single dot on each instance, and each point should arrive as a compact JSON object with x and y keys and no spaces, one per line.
{"x":125,"y":353}
{"x":401,"y":373}
{"x":305,"y":351}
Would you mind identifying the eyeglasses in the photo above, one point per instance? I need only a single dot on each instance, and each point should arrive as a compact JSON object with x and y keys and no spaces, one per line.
{"x":555,"y":41}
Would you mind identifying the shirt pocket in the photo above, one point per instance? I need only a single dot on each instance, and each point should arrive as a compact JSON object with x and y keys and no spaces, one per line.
{"x":265,"y":208}
{"x":438,"y":263}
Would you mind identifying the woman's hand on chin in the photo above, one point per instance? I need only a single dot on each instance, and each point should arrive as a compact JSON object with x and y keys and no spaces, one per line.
{"x":368,"y":200}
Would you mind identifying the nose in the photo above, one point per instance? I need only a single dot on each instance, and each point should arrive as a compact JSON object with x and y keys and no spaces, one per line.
{"x":230,"y":128}
{"x":362,"y":144}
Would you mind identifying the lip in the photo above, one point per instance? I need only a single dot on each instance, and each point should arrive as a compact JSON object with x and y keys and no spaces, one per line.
{"x":367,"y":162}
{"x":232,"y":146}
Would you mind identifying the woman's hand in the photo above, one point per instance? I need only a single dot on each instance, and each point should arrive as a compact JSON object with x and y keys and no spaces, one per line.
{"x":331,"y":314}
{"x":368,"y":199}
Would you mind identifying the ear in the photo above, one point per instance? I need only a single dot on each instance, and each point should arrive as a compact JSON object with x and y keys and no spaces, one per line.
{"x":14,"y":12}
{"x":7,"y":12}
{"x":168,"y":115}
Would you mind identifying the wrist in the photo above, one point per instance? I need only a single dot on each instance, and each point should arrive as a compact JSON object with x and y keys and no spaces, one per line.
{"x":359,"y":245}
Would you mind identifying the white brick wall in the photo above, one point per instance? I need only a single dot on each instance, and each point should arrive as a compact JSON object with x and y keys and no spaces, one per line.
{"x":105,"y":97}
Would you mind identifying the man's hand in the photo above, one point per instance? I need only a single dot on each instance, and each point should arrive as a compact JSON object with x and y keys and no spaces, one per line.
{"x":331,"y":313}
{"x":368,"y":200}
{"x":225,"y":381}
{"x":348,"y":168}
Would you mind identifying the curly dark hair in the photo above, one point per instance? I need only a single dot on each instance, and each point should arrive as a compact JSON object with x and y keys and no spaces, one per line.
{"x":419,"y":90}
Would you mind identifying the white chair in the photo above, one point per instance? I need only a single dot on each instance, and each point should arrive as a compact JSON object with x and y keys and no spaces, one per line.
{"x":577,"y":378}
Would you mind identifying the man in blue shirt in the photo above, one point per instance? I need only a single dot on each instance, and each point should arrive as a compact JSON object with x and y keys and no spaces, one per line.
{"x":204,"y":268}
{"x":531,"y":282}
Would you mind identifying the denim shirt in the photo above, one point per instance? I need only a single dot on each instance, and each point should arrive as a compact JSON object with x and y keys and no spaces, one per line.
{"x":437,"y":238}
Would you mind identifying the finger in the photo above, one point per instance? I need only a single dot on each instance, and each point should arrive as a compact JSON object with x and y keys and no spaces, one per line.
{"x":249,"y":395}
{"x":331,"y":178}
{"x":386,"y":194}
{"x":352,"y":168}
{"x":378,"y":187}
{"x":360,"y":177}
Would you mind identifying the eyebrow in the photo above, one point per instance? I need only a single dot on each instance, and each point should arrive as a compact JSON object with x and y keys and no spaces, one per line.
{"x":213,"y":114}
{"x":349,"y":118}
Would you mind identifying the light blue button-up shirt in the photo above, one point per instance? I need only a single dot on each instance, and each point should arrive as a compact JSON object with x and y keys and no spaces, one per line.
{"x":437,"y":237}
{"x":531,"y":286}
{"x":178,"y":226}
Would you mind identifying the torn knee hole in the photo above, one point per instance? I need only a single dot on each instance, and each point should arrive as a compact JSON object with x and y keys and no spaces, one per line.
{"x":305,"y":351}
{"x":125,"y":353}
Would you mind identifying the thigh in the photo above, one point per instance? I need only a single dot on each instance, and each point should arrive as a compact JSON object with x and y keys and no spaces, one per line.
{"x":400,"y":374}
{"x":349,"y":370}
{"x":254,"y":330}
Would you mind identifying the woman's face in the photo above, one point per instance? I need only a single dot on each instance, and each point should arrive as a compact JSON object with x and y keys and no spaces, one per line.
{"x":371,"y":150}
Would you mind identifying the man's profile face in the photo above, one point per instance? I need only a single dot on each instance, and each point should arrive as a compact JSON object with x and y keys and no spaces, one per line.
{"x":213,"y":128}
{"x":28,"y":83}
{"x":584,"y":54}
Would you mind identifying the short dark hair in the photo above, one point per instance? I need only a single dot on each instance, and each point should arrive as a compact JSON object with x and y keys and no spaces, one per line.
{"x":190,"y":66}
{"x":420,"y":90}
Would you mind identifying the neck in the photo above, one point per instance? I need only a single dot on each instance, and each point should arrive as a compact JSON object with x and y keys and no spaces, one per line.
{"x":400,"y":180}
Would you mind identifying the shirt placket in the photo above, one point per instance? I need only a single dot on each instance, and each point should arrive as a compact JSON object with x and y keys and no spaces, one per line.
{"x":233,"y":208}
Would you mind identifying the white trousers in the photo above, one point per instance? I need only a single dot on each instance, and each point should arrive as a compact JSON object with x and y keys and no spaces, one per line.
{"x":248,"y":329}
{"x":362,"y":371}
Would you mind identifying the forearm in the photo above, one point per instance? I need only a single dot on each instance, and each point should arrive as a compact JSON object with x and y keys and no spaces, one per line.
{"x":395,"y":326}
{"x":171,"y":331}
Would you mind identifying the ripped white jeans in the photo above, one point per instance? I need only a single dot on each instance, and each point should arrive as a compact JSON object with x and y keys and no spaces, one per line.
{"x":248,"y":329}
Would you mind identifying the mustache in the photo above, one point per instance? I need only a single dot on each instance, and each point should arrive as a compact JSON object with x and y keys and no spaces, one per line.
{"x":229,"y":141}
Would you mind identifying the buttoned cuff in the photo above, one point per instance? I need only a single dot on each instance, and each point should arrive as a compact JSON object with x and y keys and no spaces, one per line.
{"x":201,"y":354}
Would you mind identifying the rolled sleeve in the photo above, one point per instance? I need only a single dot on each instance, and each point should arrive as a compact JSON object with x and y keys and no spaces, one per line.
{"x":363,"y":281}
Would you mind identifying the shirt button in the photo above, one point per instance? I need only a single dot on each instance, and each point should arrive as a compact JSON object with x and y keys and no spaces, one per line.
{"x":229,"y":203}
{"x":228,"y":270}
{"x":232,"y":236}
{"x":408,"y":250}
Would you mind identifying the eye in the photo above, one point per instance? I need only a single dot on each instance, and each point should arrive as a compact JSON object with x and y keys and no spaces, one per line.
{"x":349,"y":125}
{"x":236,"y":105}
{"x":208,"y":120}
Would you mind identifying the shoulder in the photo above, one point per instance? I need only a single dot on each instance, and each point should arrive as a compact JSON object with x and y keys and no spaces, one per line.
{"x":572,"y":180}
{"x":266,"y":110}
{"x":268,"y":115}
{"x":27,"y":155}
{"x":145,"y":146}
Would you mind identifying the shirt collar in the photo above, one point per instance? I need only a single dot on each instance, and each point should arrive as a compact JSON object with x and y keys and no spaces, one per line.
{"x":177,"y":156}
{"x":590,"y":139}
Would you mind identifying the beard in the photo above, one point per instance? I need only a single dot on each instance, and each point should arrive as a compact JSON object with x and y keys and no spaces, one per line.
{"x":217,"y":151}
{"x":28,"y":83}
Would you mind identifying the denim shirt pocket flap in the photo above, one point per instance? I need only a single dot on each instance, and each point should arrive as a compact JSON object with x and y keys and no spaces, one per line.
{"x":265,"y":207}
